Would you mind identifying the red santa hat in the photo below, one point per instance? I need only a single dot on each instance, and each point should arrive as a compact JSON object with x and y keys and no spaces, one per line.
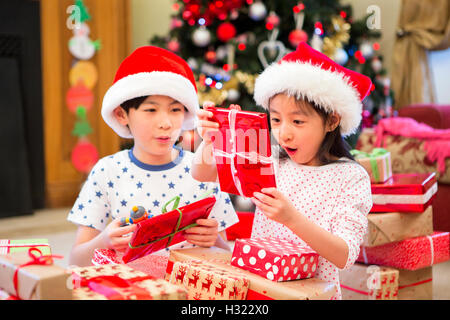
{"x":151,"y":71}
{"x":309,"y":74}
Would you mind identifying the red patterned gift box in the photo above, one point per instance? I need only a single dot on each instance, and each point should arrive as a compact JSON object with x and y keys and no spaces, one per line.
{"x":151,"y":264}
{"x":242,"y":151}
{"x":208,"y":282}
{"x":275,"y":259}
{"x":409,"y":254}
{"x":404,"y":192}
{"x":120,"y":282}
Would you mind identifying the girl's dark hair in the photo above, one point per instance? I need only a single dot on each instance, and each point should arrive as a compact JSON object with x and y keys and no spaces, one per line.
{"x":333,"y":145}
{"x":133,"y":103}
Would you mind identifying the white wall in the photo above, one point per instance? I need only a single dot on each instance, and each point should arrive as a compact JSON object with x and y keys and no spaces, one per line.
{"x":440,"y":69}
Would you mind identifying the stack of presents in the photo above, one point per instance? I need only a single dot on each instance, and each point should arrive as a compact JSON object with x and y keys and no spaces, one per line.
{"x":400,"y":248}
{"x":396,"y":257}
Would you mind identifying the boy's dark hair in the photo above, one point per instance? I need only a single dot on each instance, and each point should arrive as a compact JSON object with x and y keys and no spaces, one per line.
{"x":133,"y":103}
{"x":333,"y":144}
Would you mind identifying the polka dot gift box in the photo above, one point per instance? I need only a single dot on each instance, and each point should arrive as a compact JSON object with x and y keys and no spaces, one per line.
{"x":275,"y":259}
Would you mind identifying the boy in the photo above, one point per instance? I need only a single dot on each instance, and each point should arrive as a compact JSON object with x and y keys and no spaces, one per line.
{"x":153,"y":98}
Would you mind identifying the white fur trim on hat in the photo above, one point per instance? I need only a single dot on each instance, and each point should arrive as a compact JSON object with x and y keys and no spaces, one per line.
{"x":329,"y":89}
{"x":150,"y":83}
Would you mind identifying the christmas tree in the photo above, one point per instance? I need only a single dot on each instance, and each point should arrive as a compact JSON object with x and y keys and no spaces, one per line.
{"x":228,"y":43}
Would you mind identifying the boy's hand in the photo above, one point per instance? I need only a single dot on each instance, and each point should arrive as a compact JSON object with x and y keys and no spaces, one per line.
{"x":205,"y":234}
{"x":275,"y":206}
{"x":117,"y":237}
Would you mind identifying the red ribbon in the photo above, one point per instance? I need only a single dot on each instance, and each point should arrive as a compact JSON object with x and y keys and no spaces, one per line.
{"x":108,"y":286}
{"x":35,"y":260}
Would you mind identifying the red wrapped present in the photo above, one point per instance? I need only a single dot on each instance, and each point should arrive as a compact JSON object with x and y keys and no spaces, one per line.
{"x":242,"y":151}
{"x":242,"y":229}
{"x":151,"y":264}
{"x":409,"y":254}
{"x":275,"y":259}
{"x":166,"y":229}
{"x":404,"y":192}
{"x":120,"y":282}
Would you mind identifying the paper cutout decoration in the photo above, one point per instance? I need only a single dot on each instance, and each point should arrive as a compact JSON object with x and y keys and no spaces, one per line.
{"x":84,"y":72}
{"x":79,"y":95}
{"x":84,"y":156}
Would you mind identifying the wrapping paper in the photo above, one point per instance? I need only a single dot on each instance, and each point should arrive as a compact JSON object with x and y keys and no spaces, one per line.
{"x":377,"y":163}
{"x":151,"y":264}
{"x":275,"y":259}
{"x":409,"y":254}
{"x":396,"y":226}
{"x":10,"y":246}
{"x":166,"y":229}
{"x":242,"y":151}
{"x":242,"y":229}
{"x":407,"y":192}
{"x":208,"y":282}
{"x":120,"y":282}
{"x":416,"y":285}
{"x":259,"y":287}
{"x":35,"y":282}
{"x":6,"y":296}
{"x":362,"y":282}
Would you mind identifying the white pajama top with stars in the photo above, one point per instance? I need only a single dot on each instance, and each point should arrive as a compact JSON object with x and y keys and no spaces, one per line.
{"x":120,"y":181}
{"x":336,"y":196}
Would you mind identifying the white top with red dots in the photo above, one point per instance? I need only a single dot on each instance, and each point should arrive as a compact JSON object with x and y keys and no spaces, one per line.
{"x":336,"y":196}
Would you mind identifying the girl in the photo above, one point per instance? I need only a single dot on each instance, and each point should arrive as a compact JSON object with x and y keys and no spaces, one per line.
{"x":322,"y":197}
{"x":152,"y":100}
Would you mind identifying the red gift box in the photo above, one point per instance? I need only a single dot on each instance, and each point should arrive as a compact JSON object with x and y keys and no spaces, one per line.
{"x":404,"y":192}
{"x":242,"y":151}
{"x":166,"y":229}
{"x":410,"y":254}
{"x":242,"y":229}
{"x":275,"y":259}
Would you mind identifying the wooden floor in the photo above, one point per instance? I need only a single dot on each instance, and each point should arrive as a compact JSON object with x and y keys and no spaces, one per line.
{"x":51,"y":224}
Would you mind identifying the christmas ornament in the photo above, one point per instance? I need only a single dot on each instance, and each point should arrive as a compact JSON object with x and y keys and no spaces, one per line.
{"x":275,"y":49}
{"x":173,"y":45}
{"x":340,"y":56}
{"x":82,"y":127}
{"x":210,"y":56}
{"x":297,"y":36}
{"x":316,"y":42}
{"x":226,"y":31}
{"x":233,"y":95}
{"x":201,"y":37}
{"x":272,"y":21}
{"x":366,"y":50}
{"x":340,"y":36}
{"x":257,"y":11}
{"x":376,"y":64}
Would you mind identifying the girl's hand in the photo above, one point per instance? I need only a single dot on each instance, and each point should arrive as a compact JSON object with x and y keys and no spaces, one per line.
{"x":205,"y":234}
{"x":117,"y":237}
{"x":206,"y":128}
{"x":275,"y":206}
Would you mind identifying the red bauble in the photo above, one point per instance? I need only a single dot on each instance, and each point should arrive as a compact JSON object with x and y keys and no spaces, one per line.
{"x":210,"y":56}
{"x":297,"y":36}
{"x":226,"y":31}
{"x":79,"y":95}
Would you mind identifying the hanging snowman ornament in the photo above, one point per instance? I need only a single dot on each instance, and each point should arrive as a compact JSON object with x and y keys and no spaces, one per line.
{"x":80,"y":45}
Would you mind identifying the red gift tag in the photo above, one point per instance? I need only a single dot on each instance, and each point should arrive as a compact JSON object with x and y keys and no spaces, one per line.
{"x":166,"y":229}
{"x":242,"y":151}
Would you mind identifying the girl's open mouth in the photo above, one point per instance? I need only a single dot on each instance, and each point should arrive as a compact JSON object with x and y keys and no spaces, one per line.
{"x":290,"y":151}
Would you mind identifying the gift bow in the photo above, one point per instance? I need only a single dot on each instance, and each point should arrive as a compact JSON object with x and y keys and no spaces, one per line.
{"x":108,"y":286}
{"x":35,"y":260}
{"x":176,"y":201}
{"x":376,"y":152}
